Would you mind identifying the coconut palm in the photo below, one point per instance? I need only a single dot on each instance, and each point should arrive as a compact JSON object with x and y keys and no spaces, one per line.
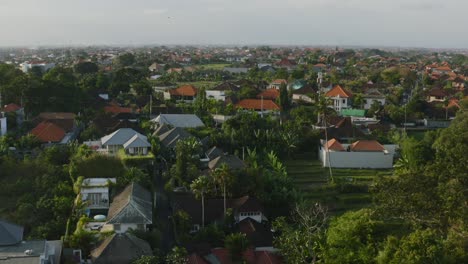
{"x":199,"y":187}
{"x":223,"y":177}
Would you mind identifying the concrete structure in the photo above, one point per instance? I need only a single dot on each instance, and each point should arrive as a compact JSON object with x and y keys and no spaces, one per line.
{"x":95,"y":192}
{"x":360,"y":154}
{"x":44,"y":66}
{"x":372,"y":96}
{"x":3,"y":126}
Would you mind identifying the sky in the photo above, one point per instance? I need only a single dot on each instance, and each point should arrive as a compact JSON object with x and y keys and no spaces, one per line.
{"x":392,"y":23}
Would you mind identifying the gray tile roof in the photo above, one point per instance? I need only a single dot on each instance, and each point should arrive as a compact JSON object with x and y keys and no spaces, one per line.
{"x":10,"y":234}
{"x":16,"y":254}
{"x":120,"y":249}
{"x":120,"y":137}
{"x":233,"y":162}
{"x":137,"y":142}
{"x":170,"y":138}
{"x":132,"y":205}
{"x":179,"y":120}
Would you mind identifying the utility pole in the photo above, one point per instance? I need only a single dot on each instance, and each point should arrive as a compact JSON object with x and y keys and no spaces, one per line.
{"x":151,"y":105}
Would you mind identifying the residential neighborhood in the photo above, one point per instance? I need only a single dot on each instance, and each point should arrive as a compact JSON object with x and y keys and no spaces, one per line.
{"x":220,"y":155}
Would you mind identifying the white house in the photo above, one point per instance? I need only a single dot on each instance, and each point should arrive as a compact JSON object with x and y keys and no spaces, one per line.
{"x":340,"y":98}
{"x":360,"y":154}
{"x":371,"y":96}
{"x":131,"y":209}
{"x":128,"y":139}
{"x":44,"y":66}
{"x":95,"y":192}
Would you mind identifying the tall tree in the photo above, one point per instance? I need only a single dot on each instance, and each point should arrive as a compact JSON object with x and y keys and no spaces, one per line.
{"x":200,"y":187}
{"x":223,"y":177}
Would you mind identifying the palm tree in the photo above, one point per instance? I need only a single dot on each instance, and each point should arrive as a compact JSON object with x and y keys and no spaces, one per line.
{"x":223,"y":177}
{"x":199,"y":187}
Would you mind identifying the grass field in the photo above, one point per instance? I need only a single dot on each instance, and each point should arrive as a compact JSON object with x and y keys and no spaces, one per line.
{"x":214,"y":66}
{"x":199,"y":84}
{"x":350,"y":192}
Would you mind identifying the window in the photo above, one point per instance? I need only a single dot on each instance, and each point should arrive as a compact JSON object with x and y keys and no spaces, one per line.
{"x":116,"y":227}
{"x":344,"y":101}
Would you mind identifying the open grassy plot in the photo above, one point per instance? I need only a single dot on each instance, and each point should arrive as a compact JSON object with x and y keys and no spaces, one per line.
{"x":199,"y":84}
{"x":213,"y":66}
{"x":350,"y":192}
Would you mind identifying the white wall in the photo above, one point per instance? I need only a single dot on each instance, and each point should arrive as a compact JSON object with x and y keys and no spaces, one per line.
{"x":345,"y":159}
{"x":3,"y":126}
{"x":369,"y":102}
{"x":217,"y":95}
{"x":257,"y":216}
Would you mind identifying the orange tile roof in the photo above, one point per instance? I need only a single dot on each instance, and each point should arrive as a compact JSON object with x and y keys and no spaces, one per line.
{"x":443,"y":68}
{"x":256,"y":104}
{"x":117,"y":109}
{"x":196,"y":259}
{"x":367,"y":145}
{"x":48,"y":132}
{"x":335,"y":145}
{"x":453,"y":103}
{"x":265,"y":257}
{"x":11,"y":108}
{"x":271,"y":93}
{"x":185,"y":90}
{"x":338,"y":91}
{"x":279,"y":81}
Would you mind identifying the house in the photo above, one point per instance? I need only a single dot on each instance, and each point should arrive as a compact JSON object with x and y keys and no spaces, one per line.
{"x":319,"y":67}
{"x":371,"y":96}
{"x":436,"y":95}
{"x":15,"y":109}
{"x":55,"y":128}
{"x":342,"y":128}
{"x":178,"y":120}
{"x":269,"y":94}
{"x":131,"y":209}
{"x":219,"y":92}
{"x":341,"y":98}
{"x":128,"y":139}
{"x":121,"y":113}
{"x":259,"y":105}
{"x":243,"y":207}
{"x":305,"y":94}
{"x":170,"y":138}
{"x":442,"y":70}
{"x":95,"y":192}
{"x":222,"y":256}
{"x":120,"y":249}
{"x":258,"y":234}
{"x":360,"y":154}
{"x":276,"y":84}
{"x":286,"y":63}
{"x":232,"y":161}
{"x":13,"y":249}
{"x":185,"y":93}
{"x":42,"y":65}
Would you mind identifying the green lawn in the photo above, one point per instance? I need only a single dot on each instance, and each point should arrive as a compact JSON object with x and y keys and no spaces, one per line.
{"x":199,"y":84}
{"x":312,"y":179}
{"x":213,"y":66}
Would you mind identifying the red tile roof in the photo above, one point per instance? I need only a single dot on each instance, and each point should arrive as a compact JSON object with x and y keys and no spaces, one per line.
{"x":116,"y":109}
{"x":453,"y":103}
{"x":48,"y":132}
{"x":185,"y":90}
{"x":279,"y":81}
{"x":11,"y":108}
{"x":339,"y":91}
{"x":256,"y":104}
{"x":367,"y":145}
{"x":222,"y":255}
{"x":335,"y":145}
{"x":443,"y":68}
{"x":271,"y":93}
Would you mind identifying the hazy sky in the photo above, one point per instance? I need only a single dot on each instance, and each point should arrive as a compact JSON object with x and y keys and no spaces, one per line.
{"x":415,"y":23}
